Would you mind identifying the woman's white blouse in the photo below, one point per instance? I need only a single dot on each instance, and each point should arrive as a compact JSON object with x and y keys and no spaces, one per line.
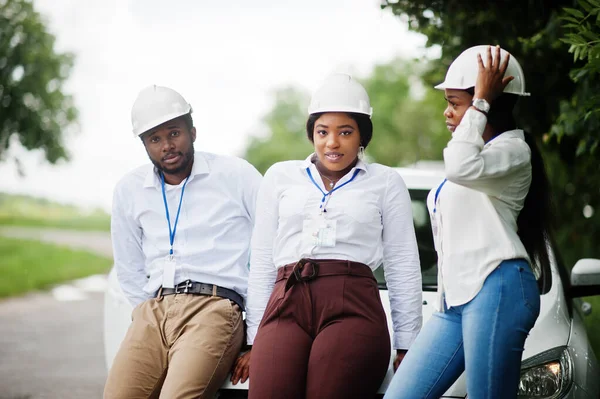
{"x":477,"y":208}
{"x":374,"y":226}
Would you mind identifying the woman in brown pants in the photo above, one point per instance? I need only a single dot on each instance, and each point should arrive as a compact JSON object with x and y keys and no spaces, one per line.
{"x":322,"y":226}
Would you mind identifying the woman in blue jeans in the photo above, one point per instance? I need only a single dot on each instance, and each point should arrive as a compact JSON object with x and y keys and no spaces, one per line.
{"x":490,"y":220}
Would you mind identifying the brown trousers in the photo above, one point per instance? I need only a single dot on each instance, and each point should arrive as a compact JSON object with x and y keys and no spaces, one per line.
{"x":323,"y":335}
{"x":178,"y":346}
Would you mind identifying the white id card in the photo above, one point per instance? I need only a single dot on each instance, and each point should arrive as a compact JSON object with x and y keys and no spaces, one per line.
{"x":169,"y":272}
{"x":319,"y":232}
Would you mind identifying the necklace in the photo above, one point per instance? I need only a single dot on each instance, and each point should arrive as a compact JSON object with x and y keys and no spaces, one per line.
{"x":331,"y":182}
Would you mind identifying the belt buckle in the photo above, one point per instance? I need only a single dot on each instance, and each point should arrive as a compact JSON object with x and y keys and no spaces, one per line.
{"x":185,"y":288}
{"x":300,"y":265}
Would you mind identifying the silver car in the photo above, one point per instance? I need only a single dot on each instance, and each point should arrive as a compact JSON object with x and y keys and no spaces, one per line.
{"x":558,"y":361}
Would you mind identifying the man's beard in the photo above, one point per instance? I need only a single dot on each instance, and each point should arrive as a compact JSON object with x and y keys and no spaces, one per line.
{"x":187,"y":158}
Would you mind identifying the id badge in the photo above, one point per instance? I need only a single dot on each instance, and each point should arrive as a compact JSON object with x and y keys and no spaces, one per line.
{"x":169,"y":272}
{"x":319,"y":232}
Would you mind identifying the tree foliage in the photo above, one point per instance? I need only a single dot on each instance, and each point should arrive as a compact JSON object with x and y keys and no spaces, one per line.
{"x":580,"y":114}
{"x":408,"y":126}
{"x":33,"y":106}
{"x":284,"y":135}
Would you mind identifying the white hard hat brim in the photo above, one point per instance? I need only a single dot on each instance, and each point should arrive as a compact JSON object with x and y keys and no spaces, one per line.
{"x":362,"y":111}
{"x":159,"y":121}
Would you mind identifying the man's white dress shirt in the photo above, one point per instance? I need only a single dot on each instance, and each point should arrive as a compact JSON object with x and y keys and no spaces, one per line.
{"x":477,"y":208}
{"x":212,"y":240}
{"x":374,"y":226}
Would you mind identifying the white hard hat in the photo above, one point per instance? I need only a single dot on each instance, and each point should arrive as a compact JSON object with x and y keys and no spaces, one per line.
{"x":340,"y":93}
{"x":462,"y":73}
{"x":156,"y":105}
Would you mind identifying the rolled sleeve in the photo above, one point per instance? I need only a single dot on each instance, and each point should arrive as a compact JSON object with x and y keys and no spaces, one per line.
{"x":470,"y":163}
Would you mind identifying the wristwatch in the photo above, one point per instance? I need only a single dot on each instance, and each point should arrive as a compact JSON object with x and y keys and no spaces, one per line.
{"x":481,"y":105}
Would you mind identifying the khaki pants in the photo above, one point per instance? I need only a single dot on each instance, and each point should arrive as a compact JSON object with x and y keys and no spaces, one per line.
{"x":178,"y":346}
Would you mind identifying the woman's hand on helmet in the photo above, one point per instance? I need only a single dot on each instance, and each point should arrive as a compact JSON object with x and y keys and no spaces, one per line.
{"x":490,"y":77}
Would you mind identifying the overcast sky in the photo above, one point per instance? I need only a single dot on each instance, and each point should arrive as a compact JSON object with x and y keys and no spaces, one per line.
{"x":225,"y":57}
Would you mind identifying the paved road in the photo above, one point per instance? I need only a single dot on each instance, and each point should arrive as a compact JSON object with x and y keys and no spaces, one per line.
{"x":51,"y":342}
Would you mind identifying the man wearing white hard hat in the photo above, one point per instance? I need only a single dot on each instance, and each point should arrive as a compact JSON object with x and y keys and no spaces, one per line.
{"x":181,"y":229}
{"x":490,"y":220}
{"x":315,"y":317}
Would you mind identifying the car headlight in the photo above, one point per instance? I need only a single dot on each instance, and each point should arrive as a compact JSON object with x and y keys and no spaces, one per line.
{"x":548,"y":375}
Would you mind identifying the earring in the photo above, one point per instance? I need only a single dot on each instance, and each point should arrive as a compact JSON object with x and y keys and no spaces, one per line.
{"x":361,"y":152}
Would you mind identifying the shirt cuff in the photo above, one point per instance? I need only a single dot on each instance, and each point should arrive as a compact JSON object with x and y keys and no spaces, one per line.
{"x":250,"y":335}
{"x":471,"y":127}
{"x":403,"y":340}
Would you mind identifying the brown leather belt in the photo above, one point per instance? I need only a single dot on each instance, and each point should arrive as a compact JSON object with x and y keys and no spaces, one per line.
{"x":196,"y":288}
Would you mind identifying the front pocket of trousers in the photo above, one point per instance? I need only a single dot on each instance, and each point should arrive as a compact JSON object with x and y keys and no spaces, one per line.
{"x":529,"y":290}
{"x":362,"y":301}
{"x":271,"y":313}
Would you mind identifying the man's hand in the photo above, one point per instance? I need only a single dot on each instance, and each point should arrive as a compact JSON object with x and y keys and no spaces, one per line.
{"x":241,"y":368}
{"x":490,"y":78}
{"x":400,"y":353}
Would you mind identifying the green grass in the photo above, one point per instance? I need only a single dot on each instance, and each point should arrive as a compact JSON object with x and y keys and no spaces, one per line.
{"x":30,"y":265}
{"x":22,"y":210}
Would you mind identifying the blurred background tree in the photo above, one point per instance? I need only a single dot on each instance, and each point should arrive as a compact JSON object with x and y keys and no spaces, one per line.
{"x":284,"y":136}
{"x":33,"y":106}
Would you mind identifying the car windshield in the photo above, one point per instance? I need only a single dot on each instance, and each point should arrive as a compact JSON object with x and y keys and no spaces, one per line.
{"x":427,"y":253}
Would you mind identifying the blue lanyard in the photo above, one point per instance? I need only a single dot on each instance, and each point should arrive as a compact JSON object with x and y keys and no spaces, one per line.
{"x":437,"y":192}
{"x":325,"y":194}
{"x":172,"y":231}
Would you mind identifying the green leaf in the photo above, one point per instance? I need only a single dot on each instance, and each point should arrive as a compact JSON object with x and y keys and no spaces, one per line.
{"x":581,"y":147}
{"x":570,"y":19}
{"x":585,"y":5}
{"x":589,"y":35}
{"x":574,"y":12}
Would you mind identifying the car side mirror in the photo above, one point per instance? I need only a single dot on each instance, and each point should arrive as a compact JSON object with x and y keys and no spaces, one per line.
{"x":585,"y":278}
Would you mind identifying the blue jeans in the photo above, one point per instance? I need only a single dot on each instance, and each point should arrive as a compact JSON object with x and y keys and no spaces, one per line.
{"x":484,"y":337}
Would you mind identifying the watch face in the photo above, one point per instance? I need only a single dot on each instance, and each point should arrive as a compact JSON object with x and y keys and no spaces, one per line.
{"x":481,"y":104}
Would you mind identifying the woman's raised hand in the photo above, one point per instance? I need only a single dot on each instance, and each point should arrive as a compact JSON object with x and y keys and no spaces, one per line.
{"x":490,"y":78}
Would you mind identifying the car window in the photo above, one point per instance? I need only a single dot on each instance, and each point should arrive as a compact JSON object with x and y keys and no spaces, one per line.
{"x":427,"y":253}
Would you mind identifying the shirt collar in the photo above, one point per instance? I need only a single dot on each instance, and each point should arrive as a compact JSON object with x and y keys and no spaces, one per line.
{"x":308,"y":162}
{"x":199,"y":167}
